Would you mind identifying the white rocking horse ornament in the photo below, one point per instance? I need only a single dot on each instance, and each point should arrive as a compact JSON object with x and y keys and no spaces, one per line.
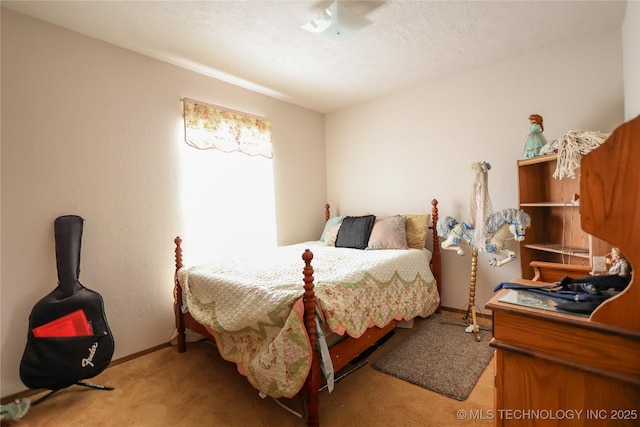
{"x":507,"y":224}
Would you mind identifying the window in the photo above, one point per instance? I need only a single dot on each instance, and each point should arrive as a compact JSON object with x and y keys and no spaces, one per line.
{"x":227,"y":183}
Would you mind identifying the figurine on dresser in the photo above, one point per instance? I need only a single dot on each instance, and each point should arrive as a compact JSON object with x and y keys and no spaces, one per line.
{"x":619,"y":264}
{"x":616,"y":279}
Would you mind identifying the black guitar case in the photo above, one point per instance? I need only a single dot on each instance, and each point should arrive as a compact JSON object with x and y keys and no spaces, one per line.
{"x":57,"y":362}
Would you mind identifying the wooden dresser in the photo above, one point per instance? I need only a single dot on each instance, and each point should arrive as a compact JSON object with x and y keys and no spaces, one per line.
{"x":559,"y":364}
{"x":559,"y":369}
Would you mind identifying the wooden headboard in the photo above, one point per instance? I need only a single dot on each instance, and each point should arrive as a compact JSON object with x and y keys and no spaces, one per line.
{"x":610,"y":210}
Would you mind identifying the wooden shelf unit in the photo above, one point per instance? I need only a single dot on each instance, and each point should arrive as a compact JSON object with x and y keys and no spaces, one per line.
{"x":556,"y":233}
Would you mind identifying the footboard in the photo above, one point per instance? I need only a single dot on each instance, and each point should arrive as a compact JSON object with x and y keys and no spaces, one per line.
{"x":314,"y":380}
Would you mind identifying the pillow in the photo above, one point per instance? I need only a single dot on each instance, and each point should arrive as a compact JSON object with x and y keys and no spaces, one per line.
{"x":331,"y":235}
{"x":330,"y":223}
{"x":417,"y":228}
{"x":355,"y":231}
{"x":389,"y":233}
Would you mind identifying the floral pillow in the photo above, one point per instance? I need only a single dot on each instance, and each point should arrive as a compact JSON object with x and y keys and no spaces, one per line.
{"x":388,"y":233}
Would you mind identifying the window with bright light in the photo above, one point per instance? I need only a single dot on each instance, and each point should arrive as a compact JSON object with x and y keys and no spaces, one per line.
{"x":227,"y":183}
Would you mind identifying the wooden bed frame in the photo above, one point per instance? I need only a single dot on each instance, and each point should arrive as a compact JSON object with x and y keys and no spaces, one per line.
{"x":342,"y":353}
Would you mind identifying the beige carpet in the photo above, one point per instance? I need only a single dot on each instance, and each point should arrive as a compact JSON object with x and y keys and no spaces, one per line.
{"x":198,"y":388}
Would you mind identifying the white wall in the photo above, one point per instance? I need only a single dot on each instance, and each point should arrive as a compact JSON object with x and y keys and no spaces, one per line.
{"x":92,"y":129}
{"x":631,"y":46}
{"x":395,"y":154}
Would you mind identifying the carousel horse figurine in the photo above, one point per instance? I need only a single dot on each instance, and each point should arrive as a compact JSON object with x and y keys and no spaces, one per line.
{"x":507,"y":224}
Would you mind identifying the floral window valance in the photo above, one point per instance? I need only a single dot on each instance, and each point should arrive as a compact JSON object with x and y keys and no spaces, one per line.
{"x":207,"y":126}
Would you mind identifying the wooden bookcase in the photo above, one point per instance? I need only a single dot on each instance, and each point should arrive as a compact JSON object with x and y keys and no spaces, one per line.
{"x":553,"y":204}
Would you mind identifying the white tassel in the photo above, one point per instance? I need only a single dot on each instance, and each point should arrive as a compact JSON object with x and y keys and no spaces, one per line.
{"x":481,"y":206}
{"x":571,"y":147}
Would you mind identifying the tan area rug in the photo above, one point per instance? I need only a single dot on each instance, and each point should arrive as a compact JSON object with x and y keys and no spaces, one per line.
{"x":441,"y":357}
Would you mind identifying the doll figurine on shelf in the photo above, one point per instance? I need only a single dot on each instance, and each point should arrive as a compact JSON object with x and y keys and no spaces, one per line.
{"x":535,"y":138}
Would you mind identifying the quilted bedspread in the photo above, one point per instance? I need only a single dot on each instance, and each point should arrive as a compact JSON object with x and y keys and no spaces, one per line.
{"x":253,"y":306}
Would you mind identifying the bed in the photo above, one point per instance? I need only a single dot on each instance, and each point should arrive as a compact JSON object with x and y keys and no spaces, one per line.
{"x":269,"y":313}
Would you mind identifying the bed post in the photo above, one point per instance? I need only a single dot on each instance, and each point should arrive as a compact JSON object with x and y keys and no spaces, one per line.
{"x":315,"y":374}
{"x":436,"y":258}
{"x":327,"y":212}
{"x":177,"y":298}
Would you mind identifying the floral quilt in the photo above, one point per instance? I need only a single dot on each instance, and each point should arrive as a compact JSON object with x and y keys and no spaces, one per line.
{"x":253,"y":306}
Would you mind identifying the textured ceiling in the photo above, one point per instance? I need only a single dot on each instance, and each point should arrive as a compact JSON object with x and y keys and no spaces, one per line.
{"x":260,"y":45}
